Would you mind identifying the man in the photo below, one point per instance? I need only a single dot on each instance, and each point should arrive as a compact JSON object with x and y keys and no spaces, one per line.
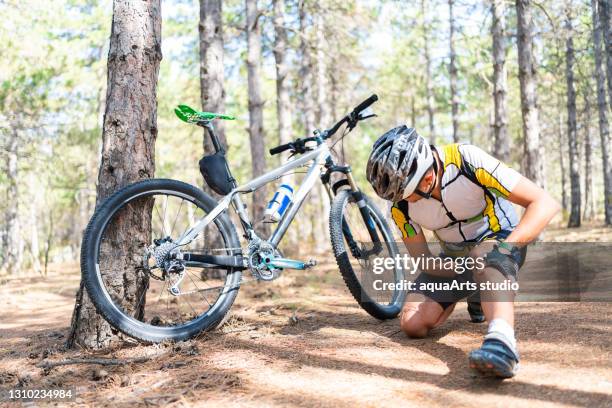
{"x":464,"y":196}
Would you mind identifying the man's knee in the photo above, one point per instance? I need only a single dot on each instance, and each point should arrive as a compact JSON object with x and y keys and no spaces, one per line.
{"x":413,"y":324}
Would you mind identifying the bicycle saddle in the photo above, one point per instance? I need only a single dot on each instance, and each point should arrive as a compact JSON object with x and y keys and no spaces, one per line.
{"x":190,"y":115}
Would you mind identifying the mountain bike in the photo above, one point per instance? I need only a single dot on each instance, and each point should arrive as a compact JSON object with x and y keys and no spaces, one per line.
{"x":161,"y":259}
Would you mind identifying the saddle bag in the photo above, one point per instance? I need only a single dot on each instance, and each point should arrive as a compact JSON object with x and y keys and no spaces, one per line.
{"x":216,"y":173}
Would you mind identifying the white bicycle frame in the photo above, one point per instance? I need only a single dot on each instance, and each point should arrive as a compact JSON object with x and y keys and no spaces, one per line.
{"x":317,"y":157}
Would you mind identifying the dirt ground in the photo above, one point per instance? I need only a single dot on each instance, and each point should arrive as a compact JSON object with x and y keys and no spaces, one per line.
{"x":303,"y":341}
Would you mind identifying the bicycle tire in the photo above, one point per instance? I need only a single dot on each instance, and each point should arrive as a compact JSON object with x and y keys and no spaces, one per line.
{"x":374,"y":308}
{"x":93,"y":280}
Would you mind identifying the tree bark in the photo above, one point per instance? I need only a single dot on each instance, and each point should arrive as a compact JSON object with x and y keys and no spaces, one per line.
{"x":308,"y":108}
{"x":306,"y":76}
{"x":283,"y":100}
{"x":212,"y":92}
{"x":574,"y":163}
{"x":452,"y":70}
{"x":589,"y":199}
{"x":533,"y":158}
{"x":602,"y":110}
{"x":561,"y":141}
{"x":318,"y":195}
{"x":501,"y":148}
{"x":33,"y":221}
{"x":256,"y":130}
{"x":428,"y":81}
{"x":604,"y":11}
{"x":212,"y":96}
{"x":128,"y":154}
{"x":13,"y":247}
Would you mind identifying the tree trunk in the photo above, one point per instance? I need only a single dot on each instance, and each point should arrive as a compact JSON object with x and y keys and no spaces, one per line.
{"x":334,"y":87}
{"x":128,"y":154}
{"x":283,"y":101}
{"x":533,"y":158}
{"x":212,"y":92}
{"x":13,"y":257}
{"x":606,"y":32}
{"x":574,"y":163}
{"x":501,"y":148}
{"x":452,"y":69}
{"x":308,"y":108}
{"x":602,"y":110}
{"x":561,"y":140}
{"x":256,"y":131}
{"x":589,"y":204}
{"x":34,"y":241}
{"x":318,"y":194}
{"x":413,"y":113}
{"x":212,"y":96}
{"x":428,"y":80}
{"x":306,"y":75}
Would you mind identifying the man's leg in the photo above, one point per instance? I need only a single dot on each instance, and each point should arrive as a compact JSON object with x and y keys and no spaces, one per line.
{"x":475,"y":309}
{"x":498,"y":355}
{"x":420,"y":314}
{"x":495,"y":304}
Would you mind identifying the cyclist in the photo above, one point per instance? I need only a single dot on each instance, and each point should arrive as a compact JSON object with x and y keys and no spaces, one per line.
{"x":464,"y":196}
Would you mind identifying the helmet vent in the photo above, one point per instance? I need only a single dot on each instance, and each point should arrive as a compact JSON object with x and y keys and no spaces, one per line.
{"x":412,"y":170}
{"x":401,"y":159}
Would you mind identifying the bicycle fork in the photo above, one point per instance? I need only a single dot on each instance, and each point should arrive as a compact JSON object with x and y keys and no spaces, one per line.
{"x":357,"y":251}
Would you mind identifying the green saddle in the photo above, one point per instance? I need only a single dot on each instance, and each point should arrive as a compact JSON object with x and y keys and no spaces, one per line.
{"x":190,"y":115}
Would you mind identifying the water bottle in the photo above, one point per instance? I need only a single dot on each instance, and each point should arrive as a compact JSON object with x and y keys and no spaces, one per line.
{"x":279,"y":203}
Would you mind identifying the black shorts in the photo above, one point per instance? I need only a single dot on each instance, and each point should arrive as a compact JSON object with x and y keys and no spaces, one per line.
{"x":446,"y":298}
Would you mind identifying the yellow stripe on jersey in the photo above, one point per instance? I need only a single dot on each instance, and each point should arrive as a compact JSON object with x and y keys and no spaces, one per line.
{"x":486,"y":179}
{"x":402,"y":223}
{"x":489,"y":211}
{"x":452,"y":155}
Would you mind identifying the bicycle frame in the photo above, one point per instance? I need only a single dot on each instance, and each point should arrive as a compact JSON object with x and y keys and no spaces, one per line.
{"x":317,"y":157}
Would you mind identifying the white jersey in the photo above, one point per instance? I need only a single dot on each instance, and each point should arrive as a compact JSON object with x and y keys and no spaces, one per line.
{"x":475,"y":187}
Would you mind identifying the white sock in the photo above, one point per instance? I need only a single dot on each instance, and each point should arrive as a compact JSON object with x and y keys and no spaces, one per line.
{"x":501,"y":330}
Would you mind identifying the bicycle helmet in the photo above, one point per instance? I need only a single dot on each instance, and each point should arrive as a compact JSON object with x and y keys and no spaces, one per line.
{"x":398,"y":161}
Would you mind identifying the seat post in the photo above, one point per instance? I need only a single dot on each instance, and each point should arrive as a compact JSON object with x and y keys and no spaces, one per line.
{"x":207,"y":124}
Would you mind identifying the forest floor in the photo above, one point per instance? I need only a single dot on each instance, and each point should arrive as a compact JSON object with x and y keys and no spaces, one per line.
{"x":303,"y":341}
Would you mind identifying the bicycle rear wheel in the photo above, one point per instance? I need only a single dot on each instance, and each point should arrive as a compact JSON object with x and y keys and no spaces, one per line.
{"x":121,"y":257}
{"x":355,"y":253}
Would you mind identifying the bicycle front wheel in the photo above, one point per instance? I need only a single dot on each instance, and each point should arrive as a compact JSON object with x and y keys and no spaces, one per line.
{"x":379,"y":294}
{"x":132,"y":282}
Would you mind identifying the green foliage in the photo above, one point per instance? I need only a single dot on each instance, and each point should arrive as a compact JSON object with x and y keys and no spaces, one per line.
{"x":53,"y":80}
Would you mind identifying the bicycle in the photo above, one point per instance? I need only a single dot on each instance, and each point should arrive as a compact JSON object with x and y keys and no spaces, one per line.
{"x":154,"y":284}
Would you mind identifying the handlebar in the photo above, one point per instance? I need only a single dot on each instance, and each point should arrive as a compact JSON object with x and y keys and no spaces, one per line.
{"x":298,"y":146}
{"x":365,"y":104}
{"x":280,"y":148}
{"x":352,"y":118}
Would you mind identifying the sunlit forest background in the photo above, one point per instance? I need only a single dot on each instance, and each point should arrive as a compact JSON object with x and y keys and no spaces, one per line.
{"x":53,"y":84}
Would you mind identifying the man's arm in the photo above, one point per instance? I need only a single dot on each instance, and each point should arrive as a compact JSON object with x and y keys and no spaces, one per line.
{"x":539,"y":206}
{"x":417,"y":247}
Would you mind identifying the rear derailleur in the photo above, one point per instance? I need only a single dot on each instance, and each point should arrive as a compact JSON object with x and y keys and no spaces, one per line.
{"x":165,"y":255}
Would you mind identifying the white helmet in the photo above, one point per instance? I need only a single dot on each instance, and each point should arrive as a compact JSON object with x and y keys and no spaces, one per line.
{"x":399,"y":160}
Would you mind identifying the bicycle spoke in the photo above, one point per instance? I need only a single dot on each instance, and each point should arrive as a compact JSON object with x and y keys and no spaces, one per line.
{"x":176,"y":217}
{"x":160,"y":218}
{"x":170,"y":212}
{"x":198,"y":289}
{"x":165,"y":210}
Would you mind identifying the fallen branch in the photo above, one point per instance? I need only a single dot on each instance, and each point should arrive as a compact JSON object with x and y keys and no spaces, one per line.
{"x":245,"y":329}
{"x":101,"y":361}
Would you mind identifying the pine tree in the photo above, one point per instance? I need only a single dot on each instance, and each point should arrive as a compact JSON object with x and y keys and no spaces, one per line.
{"x":128,"y":151}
